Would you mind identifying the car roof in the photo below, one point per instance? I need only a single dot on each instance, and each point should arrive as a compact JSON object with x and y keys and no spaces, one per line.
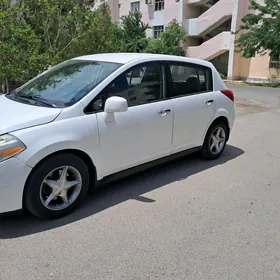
{"x":125,"y":58}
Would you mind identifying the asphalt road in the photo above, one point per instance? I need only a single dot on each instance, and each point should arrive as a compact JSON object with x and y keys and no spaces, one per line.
{"x":189,"y":219}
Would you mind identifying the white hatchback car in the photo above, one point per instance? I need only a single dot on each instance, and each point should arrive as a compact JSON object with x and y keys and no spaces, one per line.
{"x":99,"y":117}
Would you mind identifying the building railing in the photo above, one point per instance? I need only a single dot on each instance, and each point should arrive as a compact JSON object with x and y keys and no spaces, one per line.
{"x":274,"y":62}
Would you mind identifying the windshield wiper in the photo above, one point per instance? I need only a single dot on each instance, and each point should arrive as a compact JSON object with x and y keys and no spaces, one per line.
{"x":36,"y":100}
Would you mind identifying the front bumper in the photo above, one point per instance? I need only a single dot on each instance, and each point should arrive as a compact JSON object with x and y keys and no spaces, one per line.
{"x":13,"y":175}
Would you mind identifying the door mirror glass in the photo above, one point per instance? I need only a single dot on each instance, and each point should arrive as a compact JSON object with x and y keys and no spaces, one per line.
{"x":116,"y":104}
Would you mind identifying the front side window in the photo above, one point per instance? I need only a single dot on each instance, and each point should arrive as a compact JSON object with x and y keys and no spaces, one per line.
{"x":139,"y":85}
{"x":65,"y":84}
{"x":187,"y":79}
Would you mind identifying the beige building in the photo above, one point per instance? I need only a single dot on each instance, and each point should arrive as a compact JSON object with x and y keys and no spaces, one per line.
{"x":211,"y":25}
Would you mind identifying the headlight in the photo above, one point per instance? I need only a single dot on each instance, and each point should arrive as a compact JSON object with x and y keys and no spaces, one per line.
{"x":10,"y":146}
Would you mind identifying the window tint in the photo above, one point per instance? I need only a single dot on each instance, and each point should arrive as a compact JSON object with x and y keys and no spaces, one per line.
{"x":205,"y":79}
{"x":189,"y":79}
{"x":139,"y":85}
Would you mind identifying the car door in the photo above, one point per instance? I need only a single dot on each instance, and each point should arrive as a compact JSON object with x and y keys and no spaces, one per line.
{"x":144,"y":132}
{"x":190,"y":88}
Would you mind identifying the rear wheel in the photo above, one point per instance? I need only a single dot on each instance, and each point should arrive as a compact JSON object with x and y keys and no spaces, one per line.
{"x":215,"y":141}
{"x":56,"y":186}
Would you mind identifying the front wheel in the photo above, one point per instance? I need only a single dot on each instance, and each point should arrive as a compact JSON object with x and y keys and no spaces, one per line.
{"x":56,"y":186}
{"x":215,"y":141}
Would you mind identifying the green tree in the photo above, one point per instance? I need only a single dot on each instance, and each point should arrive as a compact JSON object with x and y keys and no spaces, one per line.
{"x":101,"y":35}
{"x":171,"y":41}
{"x":39,"y":33}
{"x":131,"y":33}
{"x":19,"y":47}
{"x":262,"y":30}
{"x":61,"y":25}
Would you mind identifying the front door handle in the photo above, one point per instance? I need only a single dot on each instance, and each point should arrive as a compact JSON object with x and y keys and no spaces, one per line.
{"x":163,"y":112}
{"x":209,"y":102}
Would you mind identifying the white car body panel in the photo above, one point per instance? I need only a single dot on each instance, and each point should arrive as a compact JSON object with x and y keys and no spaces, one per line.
{"x":191,"y":114}
{"x":15,"y":116}
{"x":135,"y":137}
{"x":132,"y":138}
{"x":79,"y":133}
{"x":13,"y":175}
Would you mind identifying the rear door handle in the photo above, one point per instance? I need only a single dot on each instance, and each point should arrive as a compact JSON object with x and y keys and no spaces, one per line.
{"x":209,"y":102}
{"x":164,"y":111}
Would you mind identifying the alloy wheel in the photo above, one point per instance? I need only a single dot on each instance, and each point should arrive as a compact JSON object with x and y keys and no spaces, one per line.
{"x":60,"y":188}
{"x":217,"y":140}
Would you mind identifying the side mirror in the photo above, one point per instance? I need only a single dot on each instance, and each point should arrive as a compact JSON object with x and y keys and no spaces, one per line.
{"x":116,"y":104}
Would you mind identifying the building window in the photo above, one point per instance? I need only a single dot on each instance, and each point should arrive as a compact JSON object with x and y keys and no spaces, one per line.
{"x":274,"y":62}
{"x":135,"y":6}
{"x":159,"y":5}
{"x":157,"y":30}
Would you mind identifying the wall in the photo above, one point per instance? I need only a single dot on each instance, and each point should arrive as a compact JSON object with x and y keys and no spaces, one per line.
{"x":253,"y":69}
{"x":221,"y":63}
{"x":149,"y":15}
{"x":146,"y":10}
{"x":114,"y":5}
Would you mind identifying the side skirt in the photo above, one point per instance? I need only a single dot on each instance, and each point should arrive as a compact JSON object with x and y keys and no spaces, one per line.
{"x":145,"y":166}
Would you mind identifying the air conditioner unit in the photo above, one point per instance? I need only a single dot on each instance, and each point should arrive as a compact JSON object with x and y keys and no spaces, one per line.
{"x":149,"y":2}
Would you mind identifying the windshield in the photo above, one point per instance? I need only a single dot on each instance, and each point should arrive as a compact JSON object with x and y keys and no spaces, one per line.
{"x":66,"y":83}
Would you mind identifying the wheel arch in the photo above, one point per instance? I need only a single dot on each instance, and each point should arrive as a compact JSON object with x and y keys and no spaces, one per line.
{"x":81,"y":154}
{"x":223,"y":119}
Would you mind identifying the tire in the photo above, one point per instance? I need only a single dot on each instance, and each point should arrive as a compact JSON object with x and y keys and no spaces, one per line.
{"x":208,"y":151}
{"x":56,"y":186}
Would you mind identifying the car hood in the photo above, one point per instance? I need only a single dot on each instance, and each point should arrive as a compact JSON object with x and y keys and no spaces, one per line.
{"x":15,"y":115}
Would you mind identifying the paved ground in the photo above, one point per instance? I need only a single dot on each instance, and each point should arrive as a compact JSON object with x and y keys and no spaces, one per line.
{"x":189,"y":219}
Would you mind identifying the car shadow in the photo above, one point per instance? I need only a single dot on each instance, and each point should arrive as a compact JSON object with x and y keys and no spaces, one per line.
{"x":117,"y":192}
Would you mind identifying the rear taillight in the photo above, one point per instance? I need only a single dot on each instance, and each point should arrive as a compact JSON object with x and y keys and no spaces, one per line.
{"x":228,"y":93}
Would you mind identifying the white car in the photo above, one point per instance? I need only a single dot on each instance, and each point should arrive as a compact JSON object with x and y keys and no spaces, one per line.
{"x":99,"y":117}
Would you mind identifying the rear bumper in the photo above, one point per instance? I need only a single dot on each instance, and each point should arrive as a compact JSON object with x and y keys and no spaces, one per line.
{"x":13,"y":175}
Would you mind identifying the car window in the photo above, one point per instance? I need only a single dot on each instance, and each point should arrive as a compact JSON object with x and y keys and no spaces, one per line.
{"x":187,"y":79}
{"x":139,"y":85}
{"x":205,"y":79}
{"x":67,"y":83}
{"x":134,"y":77}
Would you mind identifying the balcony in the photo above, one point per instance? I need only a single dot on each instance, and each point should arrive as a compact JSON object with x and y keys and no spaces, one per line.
{"x":211,"y":19}
{"x":207,"y":3}
{"x":196,"y":2}
{"x":212,"y":48}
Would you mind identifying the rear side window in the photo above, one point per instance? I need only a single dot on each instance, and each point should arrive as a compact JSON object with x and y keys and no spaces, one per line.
{"x":188,"y":79}
{"x":205,"y":79}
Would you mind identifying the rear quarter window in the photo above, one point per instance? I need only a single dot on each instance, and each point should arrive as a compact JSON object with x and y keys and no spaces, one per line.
{"x":189,"y":78}
{"x":205,"y":78}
